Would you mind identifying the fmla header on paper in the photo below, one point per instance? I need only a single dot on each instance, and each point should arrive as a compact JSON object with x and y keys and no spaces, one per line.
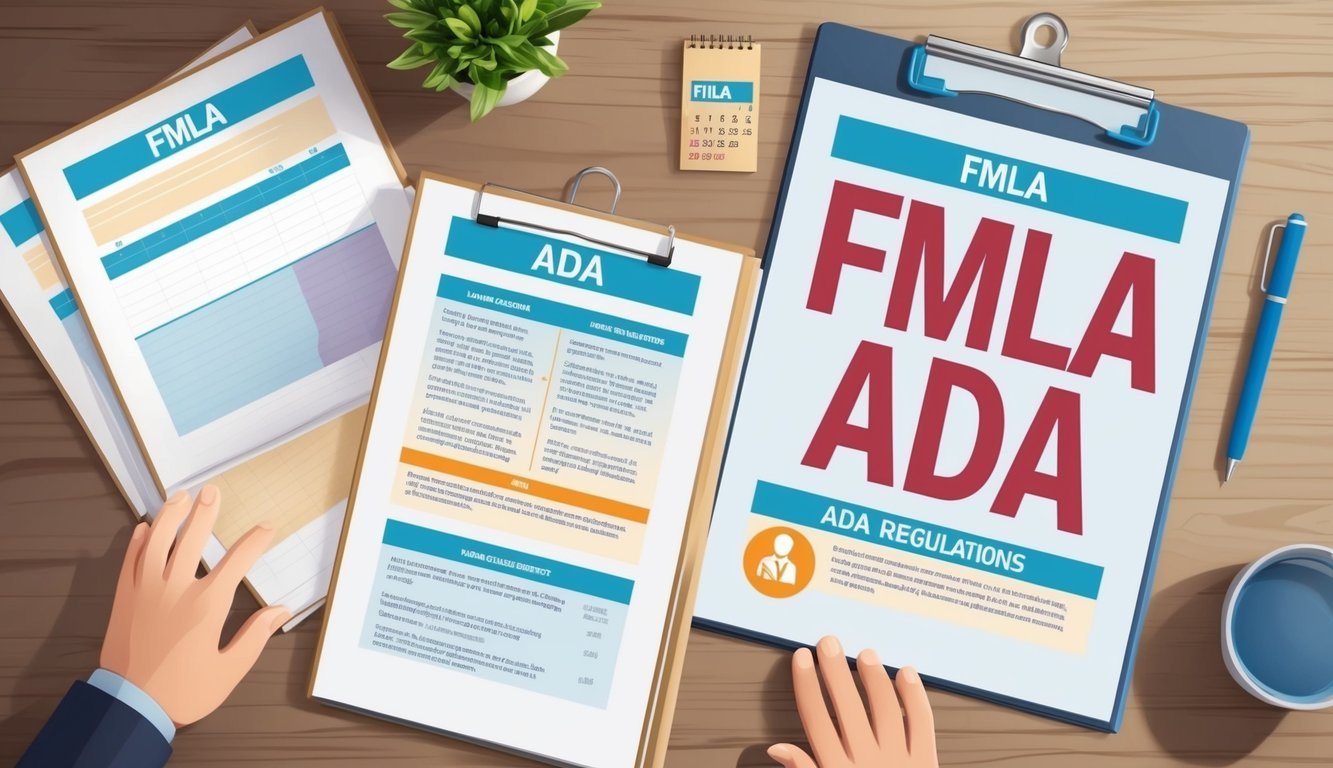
{"x":220,"y":111}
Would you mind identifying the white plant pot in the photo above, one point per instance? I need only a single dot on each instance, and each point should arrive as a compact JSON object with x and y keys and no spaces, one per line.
{"x":521,"y":88}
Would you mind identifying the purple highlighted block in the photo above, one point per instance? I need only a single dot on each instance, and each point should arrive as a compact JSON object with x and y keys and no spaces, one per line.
{"x":348,"y":287}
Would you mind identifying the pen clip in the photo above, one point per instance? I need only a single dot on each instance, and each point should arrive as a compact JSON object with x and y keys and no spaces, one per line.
{"x":1268,"y":250}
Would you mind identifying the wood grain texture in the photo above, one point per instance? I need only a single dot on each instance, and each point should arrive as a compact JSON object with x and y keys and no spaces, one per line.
{"x":1267,"y":64}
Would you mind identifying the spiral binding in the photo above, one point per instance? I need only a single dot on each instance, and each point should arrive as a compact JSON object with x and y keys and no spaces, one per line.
{"x":732,"y":42}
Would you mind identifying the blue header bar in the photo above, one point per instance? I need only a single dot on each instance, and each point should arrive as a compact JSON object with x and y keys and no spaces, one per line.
{"x":211,"y":116}
{"x":226,"y":211}
{"x":1006,"y":178}
{"x":725,"y":91}
{"x":507,"y":561}
{"x":582,"y":266}
{"x":63,"y":304}
{"x":933,"y":541}
{"x":21,"y":222}
{"x":562,"y":315}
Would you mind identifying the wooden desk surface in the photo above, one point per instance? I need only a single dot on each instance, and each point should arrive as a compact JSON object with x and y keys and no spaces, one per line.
{"x":1267,"y":64}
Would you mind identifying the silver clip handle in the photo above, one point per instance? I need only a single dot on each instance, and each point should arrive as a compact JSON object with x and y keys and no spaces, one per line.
{"x":1033,"y":49}
{"x":597,"y":169}
{"x":661,"y":259}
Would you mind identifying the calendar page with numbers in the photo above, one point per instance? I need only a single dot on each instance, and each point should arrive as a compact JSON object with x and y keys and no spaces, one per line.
{"x":719,"y":115}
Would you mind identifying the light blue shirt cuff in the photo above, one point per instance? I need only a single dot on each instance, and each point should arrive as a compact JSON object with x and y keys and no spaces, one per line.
{"x":116,"y":686}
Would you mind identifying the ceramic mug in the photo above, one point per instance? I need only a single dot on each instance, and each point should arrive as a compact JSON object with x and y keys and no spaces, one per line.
{"x":1277,"y":627}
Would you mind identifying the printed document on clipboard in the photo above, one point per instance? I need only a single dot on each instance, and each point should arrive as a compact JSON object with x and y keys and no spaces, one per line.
{"x":539,"y":463}
{"x":986,"y":294}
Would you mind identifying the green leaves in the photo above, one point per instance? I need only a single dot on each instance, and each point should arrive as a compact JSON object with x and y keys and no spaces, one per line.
{"x":460,"y":28}
{"x":550,"y":64}
{"x":440,"y":77}
{"x":412,"y":58}
{"x":490,"y":88}
{"x":471,"y":18}
{"x":484,"y":42}
{"x":564,"y":14}
{"x":411,"y":19}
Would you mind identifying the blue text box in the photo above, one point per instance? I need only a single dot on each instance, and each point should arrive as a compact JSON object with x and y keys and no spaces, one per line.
{"x":21,"y":222}
{"x":243,"y":100}
{"x":724,"y":91}
{"x":1040,"y":568}
{"x":507,"y":561}
{"x":628,"y":277}
{"x":1066,"y":193}
{"x":562,"y":315}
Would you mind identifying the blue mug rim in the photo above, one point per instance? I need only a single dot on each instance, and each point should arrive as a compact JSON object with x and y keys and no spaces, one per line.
{"x":1235,"y":664}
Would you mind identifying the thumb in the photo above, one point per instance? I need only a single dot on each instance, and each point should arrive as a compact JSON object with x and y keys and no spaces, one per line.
{"x":244,"y":649}
{"x":791,"y":756}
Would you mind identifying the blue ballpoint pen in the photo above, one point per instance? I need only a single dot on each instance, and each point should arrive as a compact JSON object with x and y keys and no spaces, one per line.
{"x":1275,"y":298}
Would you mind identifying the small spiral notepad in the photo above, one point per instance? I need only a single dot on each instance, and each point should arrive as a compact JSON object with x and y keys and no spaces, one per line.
{"x":719,"y":104}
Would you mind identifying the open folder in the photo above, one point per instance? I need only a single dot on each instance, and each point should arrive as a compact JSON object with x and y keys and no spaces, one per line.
{"x":231,"y":238}
{"x":536,"y":478}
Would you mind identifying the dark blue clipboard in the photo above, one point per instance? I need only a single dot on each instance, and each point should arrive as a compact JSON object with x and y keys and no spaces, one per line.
{"x":1185,"y":138}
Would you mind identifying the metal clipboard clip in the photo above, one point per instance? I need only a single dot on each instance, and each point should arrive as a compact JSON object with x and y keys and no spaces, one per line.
{"x":945,"y":67}
{"x":661,"y":257}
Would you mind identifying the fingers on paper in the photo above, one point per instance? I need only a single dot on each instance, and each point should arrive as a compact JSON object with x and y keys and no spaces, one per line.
{"x":815,"y":717}
{"x":249,"y":641}
{"x":161,"y":534}
{"x":886,"y":716}
{"x":184,"y":561}
{"x":791,"y":756}
{"x":241,"y":557}
{"x":916,"y":710}
{"x":847,"y":705}
{"x":129,"y":575}
{"x":129,"y":568}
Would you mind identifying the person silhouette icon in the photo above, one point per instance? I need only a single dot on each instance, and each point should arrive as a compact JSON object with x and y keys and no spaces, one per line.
{"x":778,"y":566}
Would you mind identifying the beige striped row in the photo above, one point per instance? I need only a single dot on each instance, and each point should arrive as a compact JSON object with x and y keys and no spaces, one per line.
{"x":39,"y":262}
{"x":254,"y":151}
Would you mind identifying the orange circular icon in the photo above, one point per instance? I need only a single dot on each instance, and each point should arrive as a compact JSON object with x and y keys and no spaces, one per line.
{"x":779,"y":562}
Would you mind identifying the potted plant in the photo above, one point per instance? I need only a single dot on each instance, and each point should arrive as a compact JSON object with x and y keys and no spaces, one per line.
{"x":493,"y":52}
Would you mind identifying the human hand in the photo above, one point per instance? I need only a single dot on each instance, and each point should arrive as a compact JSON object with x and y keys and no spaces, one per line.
{"x":166,"y":625}
{"x":888,"y":738}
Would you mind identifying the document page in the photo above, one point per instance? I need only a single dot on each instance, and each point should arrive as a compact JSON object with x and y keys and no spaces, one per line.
{"x":955,"y":430}
{"x":35,"y":293}
{"x":233,"y":239}
{"x":515,"y":532}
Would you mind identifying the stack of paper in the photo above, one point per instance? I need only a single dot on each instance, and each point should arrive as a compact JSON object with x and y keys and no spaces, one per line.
{"x":232,"y":237}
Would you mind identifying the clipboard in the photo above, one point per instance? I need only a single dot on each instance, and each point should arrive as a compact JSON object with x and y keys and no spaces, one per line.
{"x":1171,"y":135}
{"x":1030,"y":91}
{"x":660,"y":708}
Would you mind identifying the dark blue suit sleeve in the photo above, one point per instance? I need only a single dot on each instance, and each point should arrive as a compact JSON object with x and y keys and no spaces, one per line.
{"x":92,"y":729}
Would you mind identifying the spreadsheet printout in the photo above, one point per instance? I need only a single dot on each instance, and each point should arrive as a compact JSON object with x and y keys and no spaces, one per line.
{"x":233,"y":239}
{"x":35,"y":292}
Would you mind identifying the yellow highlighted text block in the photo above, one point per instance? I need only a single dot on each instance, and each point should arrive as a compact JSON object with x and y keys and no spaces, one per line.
{"x":947,"y":592}
{"x":39,"y":261}
{"x":258,"y":149}
{"x":541,"y":490}
{"x":532,"y":518}
{"x":292,"y":484}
